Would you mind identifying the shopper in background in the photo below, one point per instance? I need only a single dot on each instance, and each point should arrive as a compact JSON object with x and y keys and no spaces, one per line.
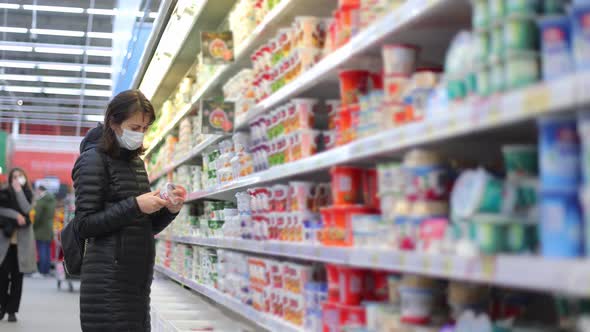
{"x":43,"y":226}
{"x":119,"y":216}
{"x":17,"y":251}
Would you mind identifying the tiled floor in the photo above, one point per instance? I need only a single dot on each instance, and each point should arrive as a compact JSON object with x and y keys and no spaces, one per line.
{"x":44,"y":308}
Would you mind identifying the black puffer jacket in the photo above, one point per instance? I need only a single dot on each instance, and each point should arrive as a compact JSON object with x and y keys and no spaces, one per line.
{"x":117,"y":269}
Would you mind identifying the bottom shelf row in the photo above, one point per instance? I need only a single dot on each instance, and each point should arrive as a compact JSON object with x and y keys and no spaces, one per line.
{"x":291,"y":295}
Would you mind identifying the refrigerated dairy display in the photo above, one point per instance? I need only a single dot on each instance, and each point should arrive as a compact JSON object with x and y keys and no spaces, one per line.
{"x":394,"y":166}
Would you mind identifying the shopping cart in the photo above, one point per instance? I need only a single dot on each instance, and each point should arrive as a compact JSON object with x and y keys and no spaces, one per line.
{"x":60,"y":273}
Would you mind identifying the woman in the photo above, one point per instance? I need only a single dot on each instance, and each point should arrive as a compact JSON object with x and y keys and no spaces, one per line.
{"x":119,"y":216}
{"x":17,"y":251}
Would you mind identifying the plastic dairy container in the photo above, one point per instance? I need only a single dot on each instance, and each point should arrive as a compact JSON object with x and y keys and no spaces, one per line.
{"x":520,"y":160}
{"x":346,"y":184}
{"x":399,"y":59}
{"x":476,"y":191}
{"x":584,"y":134}
{"x":417,"y":304}
{"x":559,"y":153}
{"x":481,"y":14}
{"x":521,"y":69}
{"x":520,"y":33}
{"x":561,"y":229}
{"x":580,"y":15}
{"x":556,"y":48}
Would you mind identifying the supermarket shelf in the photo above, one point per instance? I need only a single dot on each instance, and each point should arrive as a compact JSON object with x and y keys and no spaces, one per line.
{"x":282,"y":14}
{"x":262,"y":320}
{"x":564,"y":276}
{"x":466,"y":117}
{"x":361,"y":43}
{"x":196,"y":151}
{"x":208,"y":15}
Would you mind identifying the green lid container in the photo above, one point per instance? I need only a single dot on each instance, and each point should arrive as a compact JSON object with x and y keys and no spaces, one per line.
{"x":480,"y":18}
{"x":497,"y":10}
{"x":521,"y":33}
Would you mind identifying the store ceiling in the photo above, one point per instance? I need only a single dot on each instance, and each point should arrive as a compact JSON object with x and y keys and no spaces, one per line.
{"x":55,"y":61}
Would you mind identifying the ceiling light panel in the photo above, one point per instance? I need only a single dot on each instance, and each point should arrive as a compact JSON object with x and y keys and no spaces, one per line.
{"x":100,"y":53}
{"x":96,"y":11}
{"x":16,"y":48}
{"x":9,"y":6}
{"x":17,"y":64}
{"x":57,"y":66}
{"x":103,"y":35}
{"x":13,"y":30}
{"x":55,"y":9}
{"x":26,"y":89}
{"x":59,"y":50}
{"x":53,"y":32}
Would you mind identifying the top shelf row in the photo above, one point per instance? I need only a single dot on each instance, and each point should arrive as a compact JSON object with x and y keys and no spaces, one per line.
{"x":168,"y":68}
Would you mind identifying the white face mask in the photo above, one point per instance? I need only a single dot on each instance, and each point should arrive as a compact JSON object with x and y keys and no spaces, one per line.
{"x":130,"y":140}
{"x":22,"y":180}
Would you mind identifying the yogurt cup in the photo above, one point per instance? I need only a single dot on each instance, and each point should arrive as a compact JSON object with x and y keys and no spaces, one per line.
{"x":584,"y":134}
{"x":353,"y":83}
{"x":562,"y":227}
{"x":482,"y":46}
{"x":521,"y":69}
{"x":526,"y":7}
{"x":580,"y":14}
{"x":399,"y":59}
{"x":484,"y":88}
{"x":480,"y":18}
{"x":520,"y":33}
{"x":585,"y":201}
{"x":417,"y":304}
{"x":496,"y":47}
{"x":476,"y":191}
{"x":559,"y":153}
{"x":556,"y":48}
{"x":554,"y":7}
{"x":497,"y":9}
{"x":497,"y":77}
{"x":520,"y":160}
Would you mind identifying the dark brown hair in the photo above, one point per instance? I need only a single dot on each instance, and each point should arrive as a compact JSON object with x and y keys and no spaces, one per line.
{"x":121,"y":108}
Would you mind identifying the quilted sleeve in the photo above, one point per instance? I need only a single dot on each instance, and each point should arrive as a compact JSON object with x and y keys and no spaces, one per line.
{"x":93,"y":217}
{"x":161,"y":220}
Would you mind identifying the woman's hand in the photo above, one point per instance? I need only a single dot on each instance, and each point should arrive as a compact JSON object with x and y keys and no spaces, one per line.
{"x":20,"y":219}
{"x":179,"y":193}
{"x":150,"y":202}
{"x":16,"y":185}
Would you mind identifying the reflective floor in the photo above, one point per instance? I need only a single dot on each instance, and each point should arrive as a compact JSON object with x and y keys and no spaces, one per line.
{"x":45,"y":308}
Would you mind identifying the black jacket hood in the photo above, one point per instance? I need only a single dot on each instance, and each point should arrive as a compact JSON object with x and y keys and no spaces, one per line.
{"x":92,"y":139}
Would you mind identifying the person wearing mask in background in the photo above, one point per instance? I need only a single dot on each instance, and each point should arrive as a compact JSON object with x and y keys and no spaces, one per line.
{"x":119,"y":216}
{"x":43,"y":227}
{"x":17,"y":251}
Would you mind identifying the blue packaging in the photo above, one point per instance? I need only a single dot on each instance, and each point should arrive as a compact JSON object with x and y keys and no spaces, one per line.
{"x":580,"y":20}
{"x":559,"y":155}
{"x":561,"y":229}
{"x":556,"y":49}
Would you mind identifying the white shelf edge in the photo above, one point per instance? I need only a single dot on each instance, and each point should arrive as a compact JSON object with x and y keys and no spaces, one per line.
{"x":469,"y":116}
{"x":263,"y":320}
{"x":564,"y":276}
{"x":196,"y":151}
{"x":358,"y":44}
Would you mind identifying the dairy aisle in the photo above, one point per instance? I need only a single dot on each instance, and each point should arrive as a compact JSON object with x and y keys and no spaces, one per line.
{"x":366,"y":165}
